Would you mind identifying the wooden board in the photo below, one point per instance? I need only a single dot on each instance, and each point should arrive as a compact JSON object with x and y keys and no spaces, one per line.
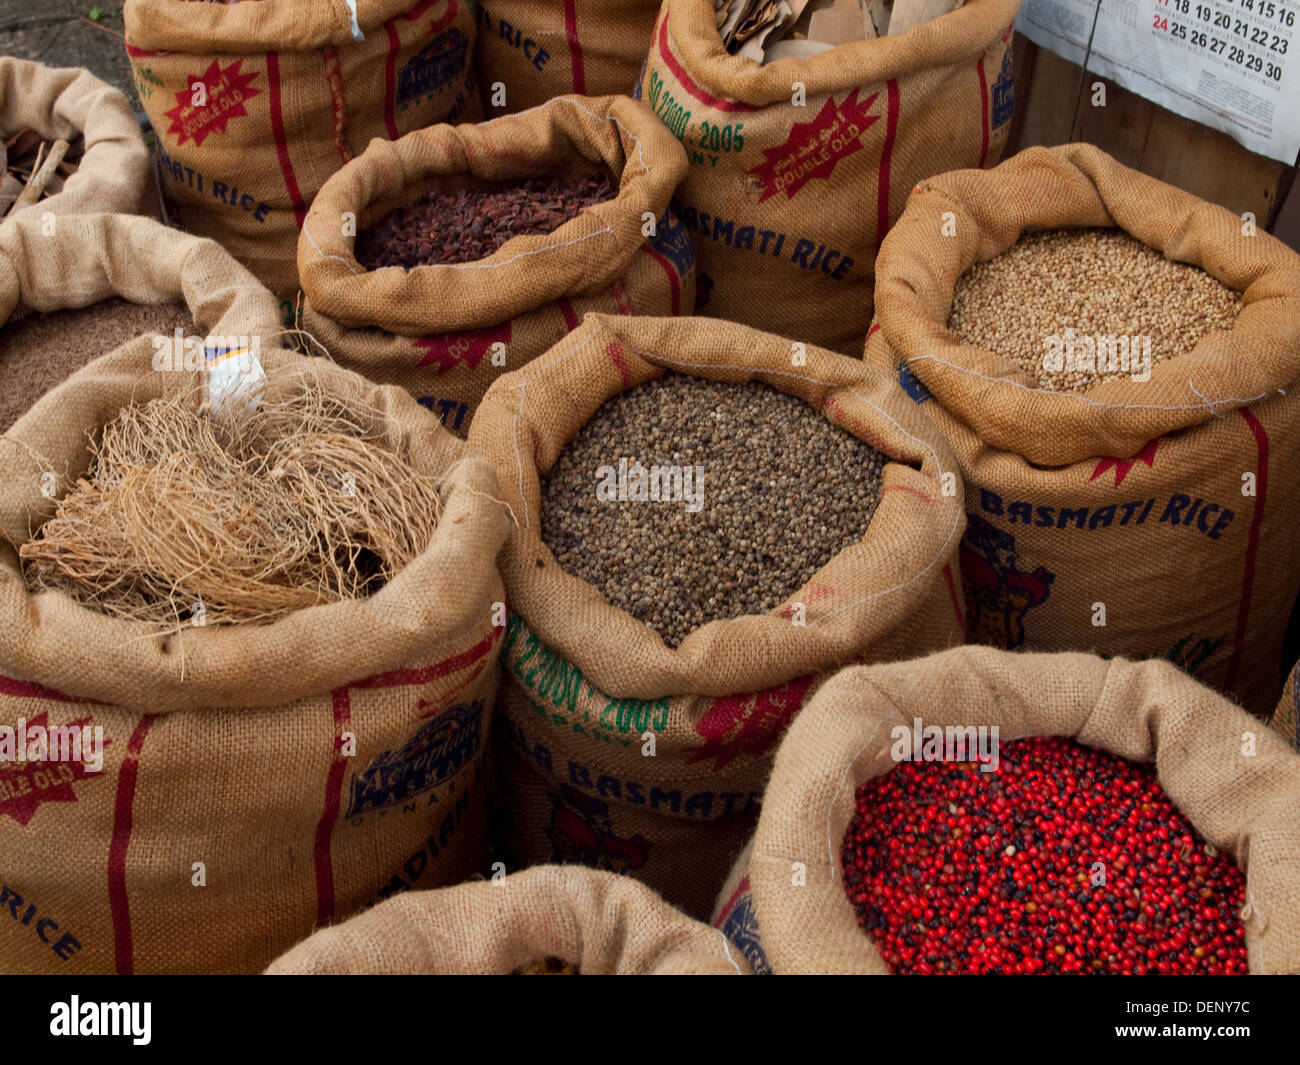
{"x":1139,"y":134}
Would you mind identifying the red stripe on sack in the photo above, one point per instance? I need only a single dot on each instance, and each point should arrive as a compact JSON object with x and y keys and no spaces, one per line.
{"x":741,"y":888}
{"x":1252,"y":546}
{"x":123,"y":806}
{"x":615,"y":352}
{"x":570,"y":315}
{"x":674,"y":285}
{"x":342,"y":708}
{"x":140,"y":53}
{"x":687,"y":83}
{"x":621,"y":303}
{"x":26,"y":690}
{"x":909,"y":490}
{"x":882,"y":174}
{"x":984,"y":112}
{"x":390,"y":82}
{"x":956,"y":599}
{"x":872,"y":331}
{"x":399,"y":678}
{"x":440,"y":23}
{"x":575,"y":46}
{"x":281,"y":143}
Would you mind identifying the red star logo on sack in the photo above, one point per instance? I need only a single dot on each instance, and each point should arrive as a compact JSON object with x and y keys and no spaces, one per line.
{"x":747,"y":724}
{"x":25,"y":785}
{"x":449,"y":350}
{"x":815,"y":148}
{"x":1122,"y":466}
{"x":226,"y":90}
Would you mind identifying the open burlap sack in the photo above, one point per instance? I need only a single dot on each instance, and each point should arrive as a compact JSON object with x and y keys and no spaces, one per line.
{"x":73,"y":105}
{"x":788,"y":201}
{"x":585,"y":682}
{"x":1173,"y":503}
{"x":313,"y":766}
{"x":434,"y":329}
{"x":602,"y":923}
{"x":540,"y":49}
{"x":1143,"y":711}
{"x":255,"y":104}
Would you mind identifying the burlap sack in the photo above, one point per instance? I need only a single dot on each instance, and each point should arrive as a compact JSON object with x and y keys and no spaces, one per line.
{"x":1134,"y":496}
{"x":602,"y":923}
{"x":1143,"y":711}
{"x":290,"y":92}
{"x":313,"y":766}
{"x":540,"y":49}
{"x":585,"y":682}
{"x":789,"y":203}
{"x":1286,"y":717}
{"x":433,"y":329}
{"x":71,"y":104}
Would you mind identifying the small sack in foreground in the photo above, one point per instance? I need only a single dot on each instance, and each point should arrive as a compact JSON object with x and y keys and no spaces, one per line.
{"x":530,"y":51}
{"x":590,"y":691}
{"x":112,"y":170}
{"x":446,"y":332}
{"x":255,"y":105}
{"x":798,"y":168}
{"x":288,"y":773}
{"x":1148,"y":518}
{"x":600,"y":923}
{"x":790,"y":918}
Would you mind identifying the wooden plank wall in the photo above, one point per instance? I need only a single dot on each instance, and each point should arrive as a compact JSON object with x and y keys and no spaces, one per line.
{"x":1142,"y":135}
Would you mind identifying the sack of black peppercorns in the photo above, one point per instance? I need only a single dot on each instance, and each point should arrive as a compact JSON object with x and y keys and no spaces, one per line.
{"x":710,"y":519}
{"x":984,"y":812}
{"x":478,"y":247}
{"x":1116,"y":364}
{"x":560,"y":920}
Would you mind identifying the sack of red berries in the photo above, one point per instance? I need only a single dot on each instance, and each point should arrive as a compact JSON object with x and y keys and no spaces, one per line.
{"x":984,"y":812}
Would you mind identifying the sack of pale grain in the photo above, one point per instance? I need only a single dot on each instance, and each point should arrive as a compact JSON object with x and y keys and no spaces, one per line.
{"x":255,"y":104}
{"x":106,"y":166}
{"x":663,"y":633}
{"x":570,"y":919}
{"x":287,"y":773}
{"x":1094,"y":495}
{"x":827,"y":889}
{"x":484,"y":245}
{"x":530,"y":51}
{"x":798,"y":168}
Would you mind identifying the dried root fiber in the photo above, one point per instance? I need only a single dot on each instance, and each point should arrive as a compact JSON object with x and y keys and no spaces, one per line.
{"x":184,"y":520}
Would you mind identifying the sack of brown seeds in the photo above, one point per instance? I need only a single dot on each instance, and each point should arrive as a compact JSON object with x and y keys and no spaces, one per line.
{"x":640,"y":709}
{"x":236,"y":786}
{"x":530,"y":51}
{"x":448,"y":298}
{"x":786,"y":906}
{"x":798,"y":168}
{"x":550,"y":919}
{"x":256,"y":104}
{"x":1143,"y":509}
{"x":106,"y":167}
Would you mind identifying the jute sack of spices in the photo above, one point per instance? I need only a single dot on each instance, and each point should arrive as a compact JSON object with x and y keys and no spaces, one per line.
{"x":589,"y":690}
{"x":257,"y":781}
{"x":73,"y":105}
{"x":255,"y":104}
{"x":539,"y":49}
{"x":600,"y":923}
{"x":1286,"y":719}
{"x":435,"y":329}
{"x":1243,"y":804}
{"x":798,"y":168}
{"x":1143,"y":518}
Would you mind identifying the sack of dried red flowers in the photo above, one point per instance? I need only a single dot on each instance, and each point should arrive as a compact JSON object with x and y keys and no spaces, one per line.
{"x":478,"y":247}
{"x":981,"y":811}
{"x":547,"y":920}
